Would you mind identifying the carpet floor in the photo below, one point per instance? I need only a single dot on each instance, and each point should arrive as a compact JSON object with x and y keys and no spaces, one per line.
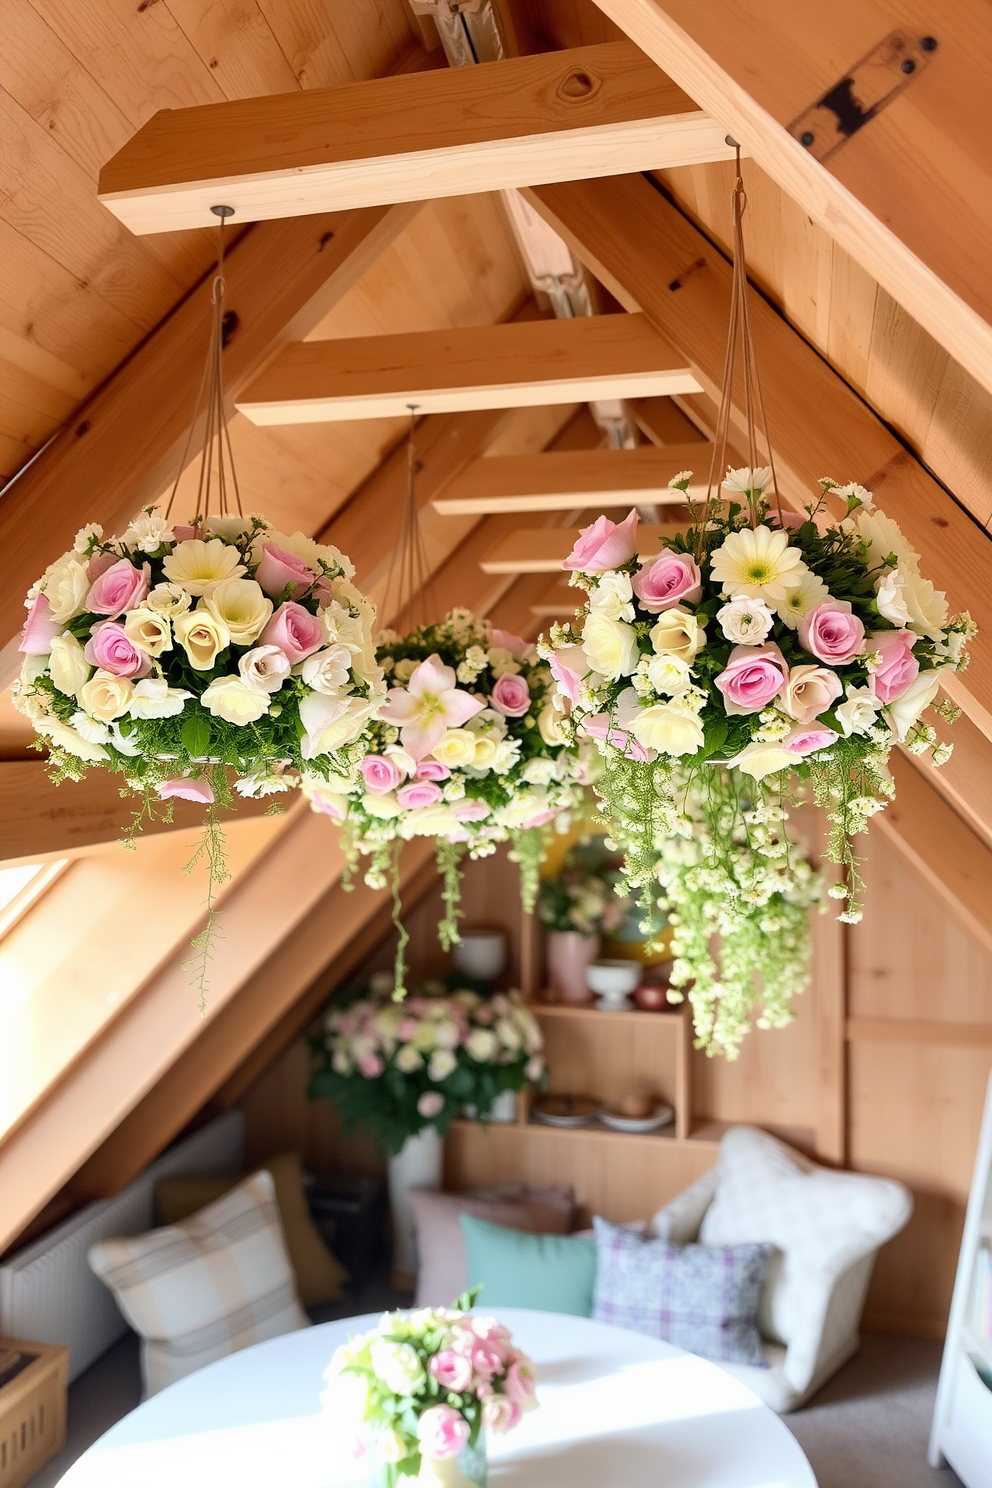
{"x":867,"y":1428}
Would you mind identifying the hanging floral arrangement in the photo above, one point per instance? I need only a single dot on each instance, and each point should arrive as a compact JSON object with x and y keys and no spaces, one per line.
{"x":196,"y":658}
{"x":470,"y":747}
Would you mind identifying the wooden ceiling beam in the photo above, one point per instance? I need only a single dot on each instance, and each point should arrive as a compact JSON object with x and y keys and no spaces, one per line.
{"x":819,"y":426}
{"x":909,"y":194}
{"x":125,"y":445}
{"x":541,"y":550}
{"x":557,"y":116}
{"x":500,"y":366}
{"x":575,"y":478}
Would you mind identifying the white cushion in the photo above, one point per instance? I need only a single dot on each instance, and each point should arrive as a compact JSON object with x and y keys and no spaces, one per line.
{"x":821,"y":1223}
{"x":205,"y":1288}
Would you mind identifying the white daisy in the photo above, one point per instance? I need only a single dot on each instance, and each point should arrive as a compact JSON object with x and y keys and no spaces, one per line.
{"x":758,"y":563}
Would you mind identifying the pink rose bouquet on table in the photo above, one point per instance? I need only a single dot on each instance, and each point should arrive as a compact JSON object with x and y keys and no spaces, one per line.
{"x":757,"y":652}
{"x":468,"y":748}
{"x":392,"y":1069}
{"x":188,"y":659}
{"x":423,"y":1389}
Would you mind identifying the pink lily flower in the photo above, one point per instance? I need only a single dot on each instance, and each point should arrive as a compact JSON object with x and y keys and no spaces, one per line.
{"x":428,"y":706}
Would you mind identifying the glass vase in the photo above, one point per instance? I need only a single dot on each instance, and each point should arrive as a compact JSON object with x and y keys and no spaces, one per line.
{"x":467,"y":1470}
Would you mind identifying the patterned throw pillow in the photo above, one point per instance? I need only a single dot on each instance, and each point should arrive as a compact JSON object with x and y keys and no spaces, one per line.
{"x":205,"y":1288}
{"x":701,"y":1298}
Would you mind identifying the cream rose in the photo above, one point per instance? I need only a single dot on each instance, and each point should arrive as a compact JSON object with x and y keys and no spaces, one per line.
{"x":613,"y":597}
{"x":457,"y":748}
{"x":552,"y":725}
{"x":610,"y":646}
{"x":167,"y":599}
{"x":668,"y":729}
{"x":384,"y":807}
{"x":105,"y":696}
{"x":677,"y":632}
{"x":67,"y":666}
{"x":809,"y":692}
{"x":202,"y":636}
{"x":759,"y":760}
{"x":265,"y":668}
{"x":64,"y":737}
{"x":65,"y":586}
{"x":859,"y":712}
{"x":241,"y":606}
{"x":199,"y":566}
{"x":905,"y":598}
{"x":668,"y":673}
{"x":154,"y":698}
{"x":907,"y":709}
{"x":148,"y":631}
{"x":538,"y":771}
{"x":232,"y":699}
{"x":331,"y":723}
{"x":328,"y":671}
{"x":485,"y":752}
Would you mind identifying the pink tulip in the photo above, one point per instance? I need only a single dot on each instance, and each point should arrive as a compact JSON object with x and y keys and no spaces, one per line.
{"x":604,"y":545}
{"x":453,"y":1371}
{"x":39,"y":629}
{"x":418,"y":793}
{"x":897,"y":667}
{"x":280,"y":570}
{"x":516,"y":645}
{"x":511,"y":696}
{"x":428,"y":706}
{"x":672,"y":579}
{"x":808,"y":739}
{"x":120,"y":587}
{"x":187,"y":790}
{"x":432,"y":769}
{"x":752,"y":677}
{"x":442,"y":1431}
{"x":381,"y":774}
{"x":832,"y":633}
{"x":294,"y":630}
{"x":109,"y":648}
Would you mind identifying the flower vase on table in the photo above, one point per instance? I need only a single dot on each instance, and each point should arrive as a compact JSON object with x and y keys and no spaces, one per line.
{"x":417,"y":1165}
{"x":569,"y":956}
{"x":420,"y":1391}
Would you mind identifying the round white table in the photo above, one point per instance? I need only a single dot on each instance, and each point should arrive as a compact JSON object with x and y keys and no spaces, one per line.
{"x":617,"y":1410}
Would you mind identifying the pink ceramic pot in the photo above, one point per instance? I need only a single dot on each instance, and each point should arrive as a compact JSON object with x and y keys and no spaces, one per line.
{"x":569,"y":954}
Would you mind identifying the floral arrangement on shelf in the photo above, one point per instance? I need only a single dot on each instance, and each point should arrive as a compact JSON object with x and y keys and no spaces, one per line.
{"x":393,"y":1069}
{"x":427,"y":1385}
{"x":583,"y":898}
{"x":174,"y":655}
{"x":469,"y":747}
{"x":761,"y":651}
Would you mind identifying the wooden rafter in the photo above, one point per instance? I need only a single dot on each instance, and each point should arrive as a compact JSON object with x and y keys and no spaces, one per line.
{"x":574,"y":478}
{"x":502,"y":366}
{"x":909,"y":195}
{"x":558,"y":116}
{"x":126,"y":443}
{"x":819,"y":426}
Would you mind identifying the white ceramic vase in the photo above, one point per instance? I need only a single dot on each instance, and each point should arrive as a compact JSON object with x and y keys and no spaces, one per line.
{"x":416,"y":1165}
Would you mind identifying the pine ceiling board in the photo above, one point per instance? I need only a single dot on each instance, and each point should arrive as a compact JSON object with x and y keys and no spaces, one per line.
{"x":235,"y":41}
{"x":327,"y":46}
{"x":42,"y":365}
{"x":13,"y":454}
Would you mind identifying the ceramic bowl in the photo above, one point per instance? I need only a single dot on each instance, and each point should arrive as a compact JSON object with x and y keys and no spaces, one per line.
{"x":613,"y":981}
{"x":480,"y":953}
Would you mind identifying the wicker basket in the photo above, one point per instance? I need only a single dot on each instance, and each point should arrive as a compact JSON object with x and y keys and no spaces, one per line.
{"x":32,"y":1407}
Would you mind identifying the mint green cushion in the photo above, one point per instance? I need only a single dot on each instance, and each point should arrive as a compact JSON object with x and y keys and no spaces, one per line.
{"x":554,"y":1273}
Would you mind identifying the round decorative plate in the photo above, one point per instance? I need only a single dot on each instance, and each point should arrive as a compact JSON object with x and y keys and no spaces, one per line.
{"x":565,"y":1110}
{"x":634,"y":1126}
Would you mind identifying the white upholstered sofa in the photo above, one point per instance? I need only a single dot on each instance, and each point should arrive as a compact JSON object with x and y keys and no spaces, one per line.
{"x":826,"y":1227}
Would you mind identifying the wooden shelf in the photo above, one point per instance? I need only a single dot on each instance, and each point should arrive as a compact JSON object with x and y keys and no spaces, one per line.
{"x":624,"y":1015}
{"x":596,"y":1132}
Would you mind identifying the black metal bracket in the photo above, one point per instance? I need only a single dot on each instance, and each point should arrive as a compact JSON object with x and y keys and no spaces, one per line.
{"x":868,"y":87}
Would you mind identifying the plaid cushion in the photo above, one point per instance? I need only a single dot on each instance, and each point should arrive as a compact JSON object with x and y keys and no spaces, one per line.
{"x":699,"y":1297}
{"x":205,"y":1288}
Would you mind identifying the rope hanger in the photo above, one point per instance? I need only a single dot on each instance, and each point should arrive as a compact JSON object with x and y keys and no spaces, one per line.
{"x":410,"y":581}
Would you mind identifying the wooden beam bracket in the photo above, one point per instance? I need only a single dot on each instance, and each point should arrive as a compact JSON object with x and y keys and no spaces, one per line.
{"x":861,"y":95}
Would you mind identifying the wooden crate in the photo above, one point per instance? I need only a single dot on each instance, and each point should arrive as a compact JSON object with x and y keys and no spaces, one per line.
{"x":32,"y":1410}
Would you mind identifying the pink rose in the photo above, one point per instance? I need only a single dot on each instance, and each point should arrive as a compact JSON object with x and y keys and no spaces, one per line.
{"x":896,"y":667}
{"x":442,"y":1431}
{"x":604,"y":545}
{"x":280,"y":570}
{"x":542,"y":818}
{"x":752,"y":677}
{"x":121,"y":587}
{"x":808,"y":739}
{"x":99,"y":565}
{"x":568,"y":667}
{"x":810,"y":691}
{"x":469,"y":810}
{"x":39,"y":629}
{"x":430,"y":1104}
{"x":328,"y":808}
{"x":407,"y":1029}
{"x":511,"y":696}
{"x":516,"y":645}
{"x":108,"y":647}
{"x":380,"y":774}
{"x":453,"y":1371}
{"x":418,"y":793}
{"x":600,"y":727}
{"x":832,"y":633}
{"x":500,"y":1414}
{"x":370,"y":1066}
{"x":294,"y":630}
{"x":519,"y":1384}
{"x":669,"y":580}
{"x":487,"y":1327}
{"x":187,"y":790}
{"x":488,"y":1358}
{"x":432,"y":769}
